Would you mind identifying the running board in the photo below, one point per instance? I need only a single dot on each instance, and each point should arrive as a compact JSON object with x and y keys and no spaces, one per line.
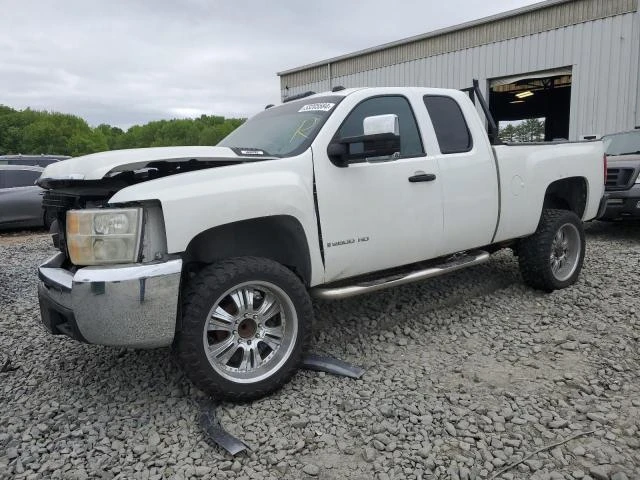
{"x":456,"y":263}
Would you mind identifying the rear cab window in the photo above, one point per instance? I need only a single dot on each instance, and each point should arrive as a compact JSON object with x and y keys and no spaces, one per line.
{"x":449,"y":124}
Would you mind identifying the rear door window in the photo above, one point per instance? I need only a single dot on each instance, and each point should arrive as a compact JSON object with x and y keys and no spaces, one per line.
{"x":449,"y":123}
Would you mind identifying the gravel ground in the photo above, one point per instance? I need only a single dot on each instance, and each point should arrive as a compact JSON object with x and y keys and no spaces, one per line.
{"x":466,"y":375}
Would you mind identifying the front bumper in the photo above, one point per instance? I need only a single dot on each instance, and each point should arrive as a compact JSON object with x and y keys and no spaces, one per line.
{"x":623,"y":204}
{"x":134,"y":305}
{"x":602,"y":207}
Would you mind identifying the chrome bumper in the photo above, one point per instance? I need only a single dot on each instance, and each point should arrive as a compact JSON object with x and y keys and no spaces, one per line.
{"x":133,"y":305}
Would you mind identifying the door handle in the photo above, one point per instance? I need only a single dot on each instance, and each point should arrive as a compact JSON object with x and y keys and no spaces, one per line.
{"x":422,"y":177}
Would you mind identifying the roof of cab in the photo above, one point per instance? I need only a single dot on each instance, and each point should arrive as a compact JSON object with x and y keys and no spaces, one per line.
{"x":348,"y":91}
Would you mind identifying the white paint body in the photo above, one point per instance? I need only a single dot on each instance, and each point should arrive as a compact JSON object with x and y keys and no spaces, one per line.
{"x":483,"y":196}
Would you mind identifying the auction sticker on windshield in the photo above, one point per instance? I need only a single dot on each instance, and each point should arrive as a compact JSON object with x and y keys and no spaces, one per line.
{"x":317,"y":107}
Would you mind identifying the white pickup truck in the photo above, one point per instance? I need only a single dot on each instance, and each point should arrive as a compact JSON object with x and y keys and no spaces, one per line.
{"x":217,"y":250}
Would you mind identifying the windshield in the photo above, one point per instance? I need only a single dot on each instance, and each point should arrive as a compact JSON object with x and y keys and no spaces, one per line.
{"x":285,"y":130}
{"x":622,"y":143}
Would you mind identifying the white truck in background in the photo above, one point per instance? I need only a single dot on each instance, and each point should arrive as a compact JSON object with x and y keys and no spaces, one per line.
{"x":218,"y":250}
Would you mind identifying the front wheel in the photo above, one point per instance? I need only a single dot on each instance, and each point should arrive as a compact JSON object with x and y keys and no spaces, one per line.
{"x":48,"y":218}
{"x":552,"y":257}
{"x":245,"y":326}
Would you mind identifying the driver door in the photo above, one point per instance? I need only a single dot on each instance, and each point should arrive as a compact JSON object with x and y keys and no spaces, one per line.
{"x":379,"y":213}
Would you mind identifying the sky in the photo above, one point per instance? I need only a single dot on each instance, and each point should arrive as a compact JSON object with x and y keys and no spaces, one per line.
{"x":130,"y":62}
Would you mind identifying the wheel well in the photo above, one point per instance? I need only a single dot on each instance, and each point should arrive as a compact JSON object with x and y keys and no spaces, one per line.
{"x":567,"y":194}
{"x":280,"y":238}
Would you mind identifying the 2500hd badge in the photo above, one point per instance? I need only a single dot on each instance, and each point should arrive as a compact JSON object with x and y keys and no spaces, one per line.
{"x":347,"y":242}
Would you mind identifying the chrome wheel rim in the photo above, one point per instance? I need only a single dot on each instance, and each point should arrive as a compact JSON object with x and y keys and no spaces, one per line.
{"x":250,"y":332}
{"x":565,"y":252}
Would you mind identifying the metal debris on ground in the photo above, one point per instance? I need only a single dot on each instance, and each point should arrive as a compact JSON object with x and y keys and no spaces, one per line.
{"x":323,"y":363}
{"x":216,"y":433}
{"x":8,"y":367}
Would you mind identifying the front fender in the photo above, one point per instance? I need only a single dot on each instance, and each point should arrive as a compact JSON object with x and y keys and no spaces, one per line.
{"x":197,"y":201}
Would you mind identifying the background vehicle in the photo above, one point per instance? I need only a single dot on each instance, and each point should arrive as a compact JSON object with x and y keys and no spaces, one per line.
{"x":21,"y":198}
{"x":334,"y":194}
{"x":34,"y":160}
{"x":623,"y":175}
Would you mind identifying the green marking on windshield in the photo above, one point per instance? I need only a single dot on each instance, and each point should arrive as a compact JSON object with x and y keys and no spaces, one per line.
{"x":304,"y":128}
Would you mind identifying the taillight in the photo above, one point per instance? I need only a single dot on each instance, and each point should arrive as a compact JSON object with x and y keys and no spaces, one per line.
{"x":604,"y":163}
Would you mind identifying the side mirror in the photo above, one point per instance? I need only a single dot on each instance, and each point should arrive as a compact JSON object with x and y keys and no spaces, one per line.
{"x":381,"y":124}
{"x":338,"y":153}
{"x":381,"y":138}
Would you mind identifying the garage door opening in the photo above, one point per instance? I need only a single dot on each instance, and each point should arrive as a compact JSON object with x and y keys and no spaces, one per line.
{"x":532,"y":107}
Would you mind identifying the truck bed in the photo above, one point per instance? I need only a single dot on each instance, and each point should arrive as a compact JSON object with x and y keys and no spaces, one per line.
{"x":526,"y":170}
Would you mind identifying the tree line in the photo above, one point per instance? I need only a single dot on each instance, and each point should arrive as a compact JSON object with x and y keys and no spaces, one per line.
{"x":40,"y":132}
{"x":530,"y":130}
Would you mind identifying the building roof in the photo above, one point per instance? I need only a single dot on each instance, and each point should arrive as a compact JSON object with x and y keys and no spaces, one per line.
{"x":527,"y":20}
{"x":434,"y":33}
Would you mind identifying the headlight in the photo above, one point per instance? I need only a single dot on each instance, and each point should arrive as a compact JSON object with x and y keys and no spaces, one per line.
{"x":100,"y":236}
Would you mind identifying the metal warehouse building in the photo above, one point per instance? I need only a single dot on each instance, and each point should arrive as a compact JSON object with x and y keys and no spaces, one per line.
{"x":573,"y":62}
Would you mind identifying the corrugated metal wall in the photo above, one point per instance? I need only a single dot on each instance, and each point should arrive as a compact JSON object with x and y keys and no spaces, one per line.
{"x":604,"y":55}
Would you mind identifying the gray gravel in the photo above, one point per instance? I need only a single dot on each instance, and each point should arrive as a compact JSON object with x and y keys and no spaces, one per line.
{"x":465,"y":375}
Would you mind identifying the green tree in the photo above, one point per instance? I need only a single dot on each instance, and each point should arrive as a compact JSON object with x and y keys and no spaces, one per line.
{"x":507,"y":133}
{"x":529,"y":130}
{"x":29,"y":131}
{"x":82,"y":143}
{"x":52,"y":133}
{"x":533,"y":130}
{"x":111,"y":134}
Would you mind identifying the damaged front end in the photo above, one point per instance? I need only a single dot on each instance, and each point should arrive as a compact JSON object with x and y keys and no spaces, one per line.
{"x":90,"y":292}
{"x":93,"y":292}
{"x":83,"y":185}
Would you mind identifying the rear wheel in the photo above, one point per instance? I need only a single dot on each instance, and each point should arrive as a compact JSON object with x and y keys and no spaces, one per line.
{"x":246,"y":323}
{"x":552,"y":257}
